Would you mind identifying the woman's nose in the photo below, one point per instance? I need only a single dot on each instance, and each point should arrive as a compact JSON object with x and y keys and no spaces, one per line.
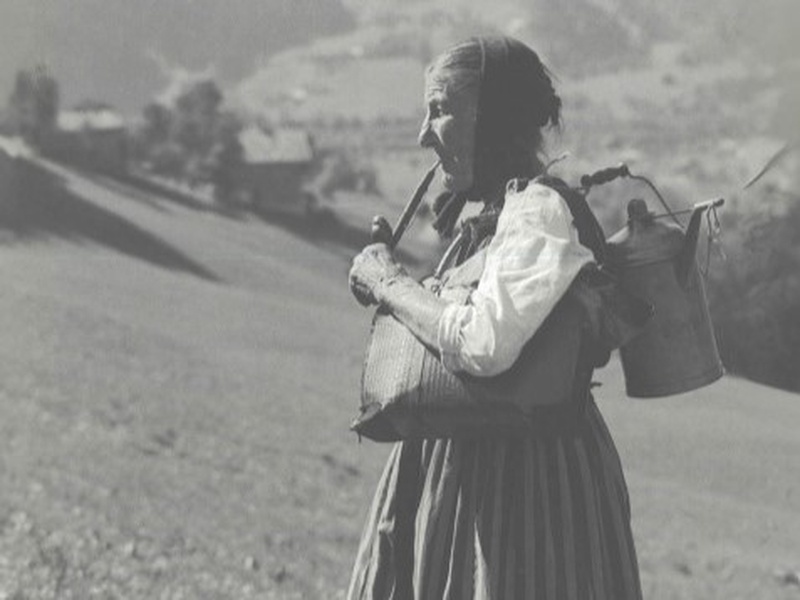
{"x":426,"y":136}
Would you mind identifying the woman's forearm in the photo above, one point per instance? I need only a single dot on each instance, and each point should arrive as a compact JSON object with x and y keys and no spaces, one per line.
{"x":415,"y":307}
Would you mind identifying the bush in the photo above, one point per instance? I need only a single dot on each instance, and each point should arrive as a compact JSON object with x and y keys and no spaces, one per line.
{"x":341,"y":172}
{"x":755,"y":294}
{"x":33,"y":105}
{"x":168,"y":159}
{"x":194,"y":140}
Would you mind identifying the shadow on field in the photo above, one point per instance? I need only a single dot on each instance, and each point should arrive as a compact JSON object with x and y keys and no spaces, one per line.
{"x":326,"y":228}
{"x":145,"y":186}
{"x":35,"y":202}
{"x":128,"y":189}
{"x":154,"y":194}
{"x":319,"y":229}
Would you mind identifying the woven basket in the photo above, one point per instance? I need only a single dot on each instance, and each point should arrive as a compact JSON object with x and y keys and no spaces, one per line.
{"x":408,"y":394}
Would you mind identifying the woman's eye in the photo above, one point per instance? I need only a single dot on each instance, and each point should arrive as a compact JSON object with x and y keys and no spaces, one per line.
{"x":434,"y":111}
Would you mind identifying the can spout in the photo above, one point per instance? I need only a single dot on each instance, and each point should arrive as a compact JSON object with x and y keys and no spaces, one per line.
{"x":686,"y":258}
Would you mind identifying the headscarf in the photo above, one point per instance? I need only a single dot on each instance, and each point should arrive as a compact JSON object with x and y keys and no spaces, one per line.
{"x":515,"y":98}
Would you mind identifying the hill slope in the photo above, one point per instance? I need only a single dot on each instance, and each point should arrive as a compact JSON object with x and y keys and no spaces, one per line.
{"x":126,"y":52}
{"x":174,"y":410}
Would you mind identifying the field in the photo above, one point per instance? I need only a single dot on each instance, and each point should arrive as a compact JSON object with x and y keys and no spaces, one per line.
{"x":175,"y":391}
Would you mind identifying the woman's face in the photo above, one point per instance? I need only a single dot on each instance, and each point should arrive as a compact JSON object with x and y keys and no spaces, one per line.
{"x":449,"y":129}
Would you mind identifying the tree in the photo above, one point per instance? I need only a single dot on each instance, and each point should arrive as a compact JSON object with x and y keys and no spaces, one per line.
{"x":226,"y":158}
{"x":34,"y":104}
{"x":755,"y":294}
{"x":194,"y":139}
{"x":196,"y":117}
{"x":158,"y":121}
{"x":168,"y":159}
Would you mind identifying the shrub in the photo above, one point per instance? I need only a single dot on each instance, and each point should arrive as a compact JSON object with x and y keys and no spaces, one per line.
{"x":341,"y":172}
{"x":755,"y":294}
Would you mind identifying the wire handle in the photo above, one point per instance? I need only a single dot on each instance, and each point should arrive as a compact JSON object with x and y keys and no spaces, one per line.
{"x":611,"y":173}
{"x":686,"y":258}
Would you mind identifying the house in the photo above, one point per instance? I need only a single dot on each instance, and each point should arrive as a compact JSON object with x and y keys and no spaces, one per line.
{"x":13,"y":152}
{"x":93,"y":136}
{"x":275,"y":167}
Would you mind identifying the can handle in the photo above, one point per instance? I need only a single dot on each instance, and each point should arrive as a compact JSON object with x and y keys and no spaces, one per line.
{"x":605,"y":175}
{"x":685,"y":260}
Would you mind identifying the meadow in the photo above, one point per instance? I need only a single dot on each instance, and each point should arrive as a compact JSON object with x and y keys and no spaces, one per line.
{"x":176,"y":386}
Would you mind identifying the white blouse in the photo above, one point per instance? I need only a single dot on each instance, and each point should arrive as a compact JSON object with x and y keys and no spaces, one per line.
{"x":530,"y":262}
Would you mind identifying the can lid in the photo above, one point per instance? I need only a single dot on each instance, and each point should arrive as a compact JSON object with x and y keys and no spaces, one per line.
{"x":645,"y":239}
{"x":638,"y":211}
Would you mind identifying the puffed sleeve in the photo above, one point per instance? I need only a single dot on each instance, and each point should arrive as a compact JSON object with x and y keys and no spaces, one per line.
{"x":530,"y":262}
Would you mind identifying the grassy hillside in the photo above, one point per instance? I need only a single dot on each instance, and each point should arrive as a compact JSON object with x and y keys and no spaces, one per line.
{"x":163,"y":429}
{"x":125,"y":53}
{"x":175,"y":390}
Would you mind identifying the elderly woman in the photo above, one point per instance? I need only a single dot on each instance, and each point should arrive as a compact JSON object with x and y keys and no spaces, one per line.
{"x":543,"y":515}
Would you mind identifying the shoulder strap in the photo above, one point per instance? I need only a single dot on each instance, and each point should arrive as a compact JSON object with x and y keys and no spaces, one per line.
{"x":590,"y":233}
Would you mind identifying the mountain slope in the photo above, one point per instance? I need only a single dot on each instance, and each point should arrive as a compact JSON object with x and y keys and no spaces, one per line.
{"x":125,"y":52}
{"x":166,"y":432}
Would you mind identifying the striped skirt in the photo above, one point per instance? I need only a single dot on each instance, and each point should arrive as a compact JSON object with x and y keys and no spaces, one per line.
{"x":544,"y":517}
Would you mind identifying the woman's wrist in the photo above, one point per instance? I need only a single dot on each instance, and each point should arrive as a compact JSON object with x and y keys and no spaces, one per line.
{"x":416,"y":307}
{"x":382,"y":291}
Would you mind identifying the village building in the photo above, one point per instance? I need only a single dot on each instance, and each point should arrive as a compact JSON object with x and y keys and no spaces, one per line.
{"x":92,"y":136}
{"x":275,"y":167}
{"x":13,"y":152}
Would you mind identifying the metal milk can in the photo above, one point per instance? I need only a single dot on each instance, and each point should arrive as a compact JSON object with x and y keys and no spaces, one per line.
{"x":655,"y":260}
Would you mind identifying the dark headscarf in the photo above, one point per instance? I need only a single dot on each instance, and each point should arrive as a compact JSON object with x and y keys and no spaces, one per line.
{"x":515,"y":101}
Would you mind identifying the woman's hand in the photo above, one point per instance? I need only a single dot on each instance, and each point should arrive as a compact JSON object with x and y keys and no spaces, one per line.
{"x":371,"y":269}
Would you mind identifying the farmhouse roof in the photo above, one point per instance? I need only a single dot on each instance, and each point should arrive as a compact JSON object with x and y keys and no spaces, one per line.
{"x":277,"y":146}
{"x":100,"y":119}
{"x":15,"y":147}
